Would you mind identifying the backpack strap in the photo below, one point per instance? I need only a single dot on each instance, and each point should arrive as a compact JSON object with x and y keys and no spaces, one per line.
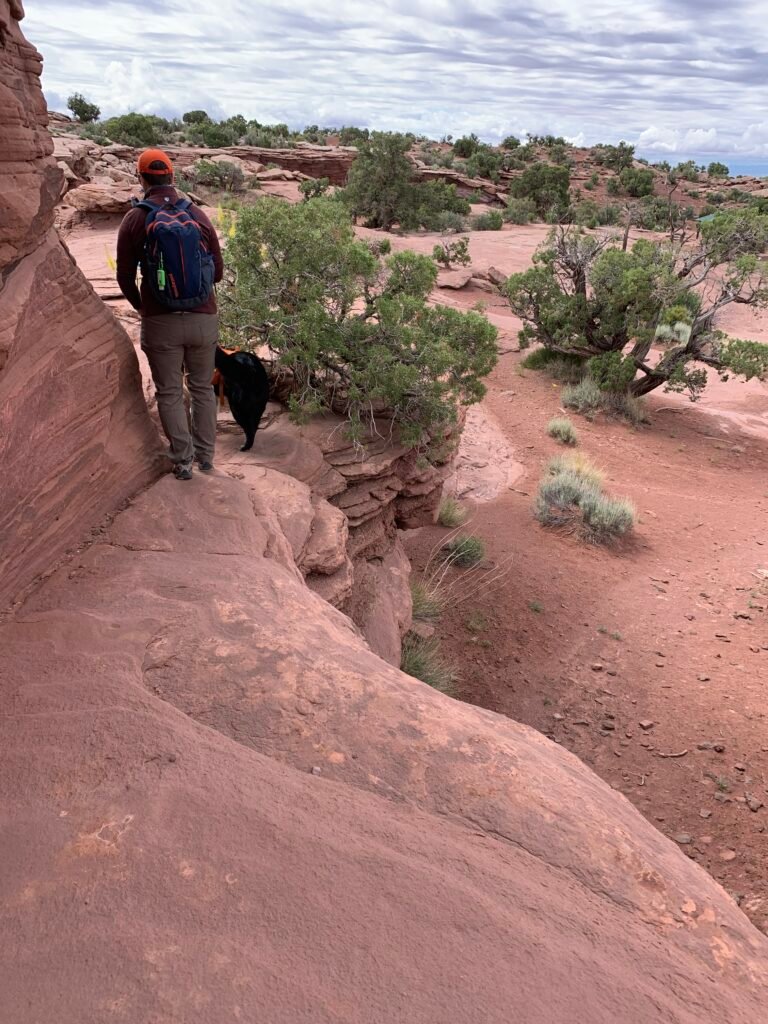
{"x":149,"y":205}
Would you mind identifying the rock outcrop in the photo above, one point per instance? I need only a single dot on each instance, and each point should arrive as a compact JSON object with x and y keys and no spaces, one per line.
{"x":341,"y":507}
{"x":220,"y":804}
{"x":217,"y":803}
{"x":75,"y":438}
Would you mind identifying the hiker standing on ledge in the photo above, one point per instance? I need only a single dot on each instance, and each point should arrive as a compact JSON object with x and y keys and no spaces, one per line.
{"x":178,"y":251}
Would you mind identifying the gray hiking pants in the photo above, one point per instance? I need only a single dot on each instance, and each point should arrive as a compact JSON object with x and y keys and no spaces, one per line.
{"x":176,"y":344}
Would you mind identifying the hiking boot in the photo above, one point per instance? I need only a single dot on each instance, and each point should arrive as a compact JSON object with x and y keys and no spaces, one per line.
{"x":182,"y":472}
{"x":205,"y":466}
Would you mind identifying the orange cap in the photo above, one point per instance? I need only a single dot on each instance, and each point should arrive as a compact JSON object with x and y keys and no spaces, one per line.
{"x":154,"y":156}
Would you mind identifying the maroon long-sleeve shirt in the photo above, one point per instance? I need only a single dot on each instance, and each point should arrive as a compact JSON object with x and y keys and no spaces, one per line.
{"x":130,"y":249}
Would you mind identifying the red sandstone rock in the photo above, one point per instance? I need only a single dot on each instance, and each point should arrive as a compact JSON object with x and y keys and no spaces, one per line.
{"x":177,"y":701}
{"x":75,"y":438}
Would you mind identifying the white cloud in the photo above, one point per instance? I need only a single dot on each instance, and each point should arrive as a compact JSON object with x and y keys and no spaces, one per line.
{"x":670,"y":74}
{"x":673,"y":140}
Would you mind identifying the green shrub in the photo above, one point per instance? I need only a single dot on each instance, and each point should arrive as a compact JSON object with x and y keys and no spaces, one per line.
{"x":584,"y":397}
{"x":451,"y":513}
{"x":687,"y":171}
{"x":450,"y":254}
{"x":84,"y":111}
{"x":718,"y":170}
{"x":587,"y":398}
{"x":352,"y":136}
{"x":520,"y":211}
{"x":568,"y":497}
{"x":421,"y":659}
{"x":485,"y":163}
{"x":567,"y":369}
{"x":138,"y":130}
{"x":219,"y":174}
{"x":314,"y":187}
{"x":613,"y":187}
{"x":511,"y":142}
{"x":637,"y":181}
{"x":428,"y":604}
{"x":94,"y":133}
{"x":490,"y":221}
{"x":465,"y":551}
{"x":547,"y":185}
{"x":380,"y":187}
{"x":614,"y":157}
{"x":354,"y":332}
{"x":562,"y":430}
{"x":449,"y":222}
{"x":466,"y":145}
{"x":194,"y":117}
{"x":605,"y":518}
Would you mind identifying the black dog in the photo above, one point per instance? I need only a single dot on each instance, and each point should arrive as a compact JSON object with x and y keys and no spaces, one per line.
{"x":246,"y":388}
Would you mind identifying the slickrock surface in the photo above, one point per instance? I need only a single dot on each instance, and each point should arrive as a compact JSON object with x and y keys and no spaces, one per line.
{"x":218,"y":804}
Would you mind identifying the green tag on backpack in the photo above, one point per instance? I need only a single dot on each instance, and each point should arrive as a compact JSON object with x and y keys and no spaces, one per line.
{"x":161,"y":275}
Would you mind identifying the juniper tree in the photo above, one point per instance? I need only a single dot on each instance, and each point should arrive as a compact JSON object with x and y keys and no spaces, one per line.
{"x":352,"y":328}
{"x":586,"y":297}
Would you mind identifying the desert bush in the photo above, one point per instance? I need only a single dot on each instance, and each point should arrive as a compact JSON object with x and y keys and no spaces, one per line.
{"x":609,"y":214}
{"x":587,"y":398}
{"x":84,"y":111}
{"x":219,"y":174}
{"x":511,"y":142}
{"x":356,"y":331}
{"x":605,"y":518}
{"x":381,"y":189}
{"x":718,"y":170}
{"x":451,"y":514}
{"x":613,"y":187}
{"x":546,"y":185}
{"x":194,"y":117}
{"x":568,"y":369}
{"x":637,"y":181}
{"x":485,"y":163}
{"x":562,"y":430}
{"x":429,"y":202}
{"x":94,"y":133}
{"x":687,"y":171}
{"x":520,"y":211}
{"x":466,"y":145}
{"x":465,"y":551}
{"x":449,"y":254}
{"x":568,"y":497}
{"x":139,"y":130}
{"x":314,"y":187}
{"x":586,"y":214}
{"x":616,"y":158}
{"x":351,"y":136}
{"x":584,"y":397}
{"x":580,"y":465}
{"x":421,"y":659}
{"x":490,"y":221}
{"x":449,"y":222}
{"x":428,"y":604}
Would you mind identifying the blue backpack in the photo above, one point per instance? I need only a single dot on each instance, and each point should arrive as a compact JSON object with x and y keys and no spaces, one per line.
{"x":176,"y":262}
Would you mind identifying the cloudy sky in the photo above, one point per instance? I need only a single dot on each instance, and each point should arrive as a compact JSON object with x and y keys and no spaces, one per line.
{"x":688,"y":77}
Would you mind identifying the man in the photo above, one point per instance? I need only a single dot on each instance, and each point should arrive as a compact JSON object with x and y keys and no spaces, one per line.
{"x":180,"y":258}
